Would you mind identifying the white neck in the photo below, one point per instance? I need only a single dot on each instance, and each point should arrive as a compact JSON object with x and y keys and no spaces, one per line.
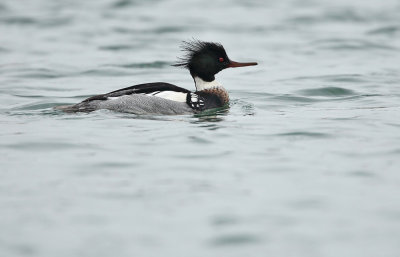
{"x":201,"y":84}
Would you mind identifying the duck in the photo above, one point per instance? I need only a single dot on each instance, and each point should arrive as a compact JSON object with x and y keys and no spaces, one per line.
{"x":203,"y":60}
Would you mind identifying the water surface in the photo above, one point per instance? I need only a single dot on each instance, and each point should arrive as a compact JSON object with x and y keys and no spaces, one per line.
{"x":304,"y":163}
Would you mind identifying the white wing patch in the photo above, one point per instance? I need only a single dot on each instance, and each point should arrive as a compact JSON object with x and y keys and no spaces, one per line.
{"x":171,"y":95}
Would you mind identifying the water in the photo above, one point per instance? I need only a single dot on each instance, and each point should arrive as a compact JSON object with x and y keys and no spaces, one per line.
{"x":304,"y":163}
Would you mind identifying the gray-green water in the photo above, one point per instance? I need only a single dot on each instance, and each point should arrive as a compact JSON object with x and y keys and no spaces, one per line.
{"x":306,"y":162}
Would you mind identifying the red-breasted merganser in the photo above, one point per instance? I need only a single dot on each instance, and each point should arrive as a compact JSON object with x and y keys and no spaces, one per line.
{"x":202,"y":59}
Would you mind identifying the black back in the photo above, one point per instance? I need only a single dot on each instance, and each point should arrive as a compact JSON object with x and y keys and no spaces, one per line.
{"x":139,"y":89}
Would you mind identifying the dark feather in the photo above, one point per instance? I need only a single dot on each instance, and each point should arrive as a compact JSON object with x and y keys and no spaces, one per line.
{"x":195,"y":47}
{"x":139,"y":89}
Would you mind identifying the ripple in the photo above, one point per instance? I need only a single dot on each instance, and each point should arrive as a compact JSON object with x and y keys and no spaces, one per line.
{"x":350,"y":44}
{"x":303,"y":134}
{"x":40,"y":108}
{"x":43,"y":22}
{"x":123,"y":3}
{"x":37,"y":112}
{"x":248,"y":94}
{"x":207,"y":156}
{"x":299,"y":99}
{"x":34,"y":96}
{"x":339,"y":15}
{"x":143,"y":65}
{"x":361,"y":173}
{"x":36,"y":106}
{"x":200,"y":140}
{"x":120,"y":195}
{"x":105,"y":72}
{"x":113,"y":164}
{"x":344,"y":15}
{"x":39,"y":73}
{"x":18,"y":20}
{"x":168,"y":29}
{"x":224,"y":221}
{"x":126,"y":3}
{"x":303,"y":204}
{"x":152,"y":31}
{"x":246,"y":108}
{"x":352,"y":78}
{"x":394,"y":125}
{"x":23,"y":249}
{"x":105,"y":169}
{"x":327,"y":91}
{"x":119,"y":47}
{"x":2,"y":7}
{"x":385,"y":30}
{"x":56,"y":22}
{"x":45,"y":146}
{"x":235,"y":240}
{"x":45,"y":89}
{"x":209,"y":115}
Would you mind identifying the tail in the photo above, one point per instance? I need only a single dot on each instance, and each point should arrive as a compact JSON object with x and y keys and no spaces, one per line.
{"x":81,"y":107}
{"x":66,"y":108}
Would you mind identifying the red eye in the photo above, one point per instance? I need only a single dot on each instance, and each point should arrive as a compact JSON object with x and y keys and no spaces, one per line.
{"x":221,"y":59}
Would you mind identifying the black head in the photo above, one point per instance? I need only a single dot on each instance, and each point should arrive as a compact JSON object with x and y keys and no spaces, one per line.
{"x":205,"y":59}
